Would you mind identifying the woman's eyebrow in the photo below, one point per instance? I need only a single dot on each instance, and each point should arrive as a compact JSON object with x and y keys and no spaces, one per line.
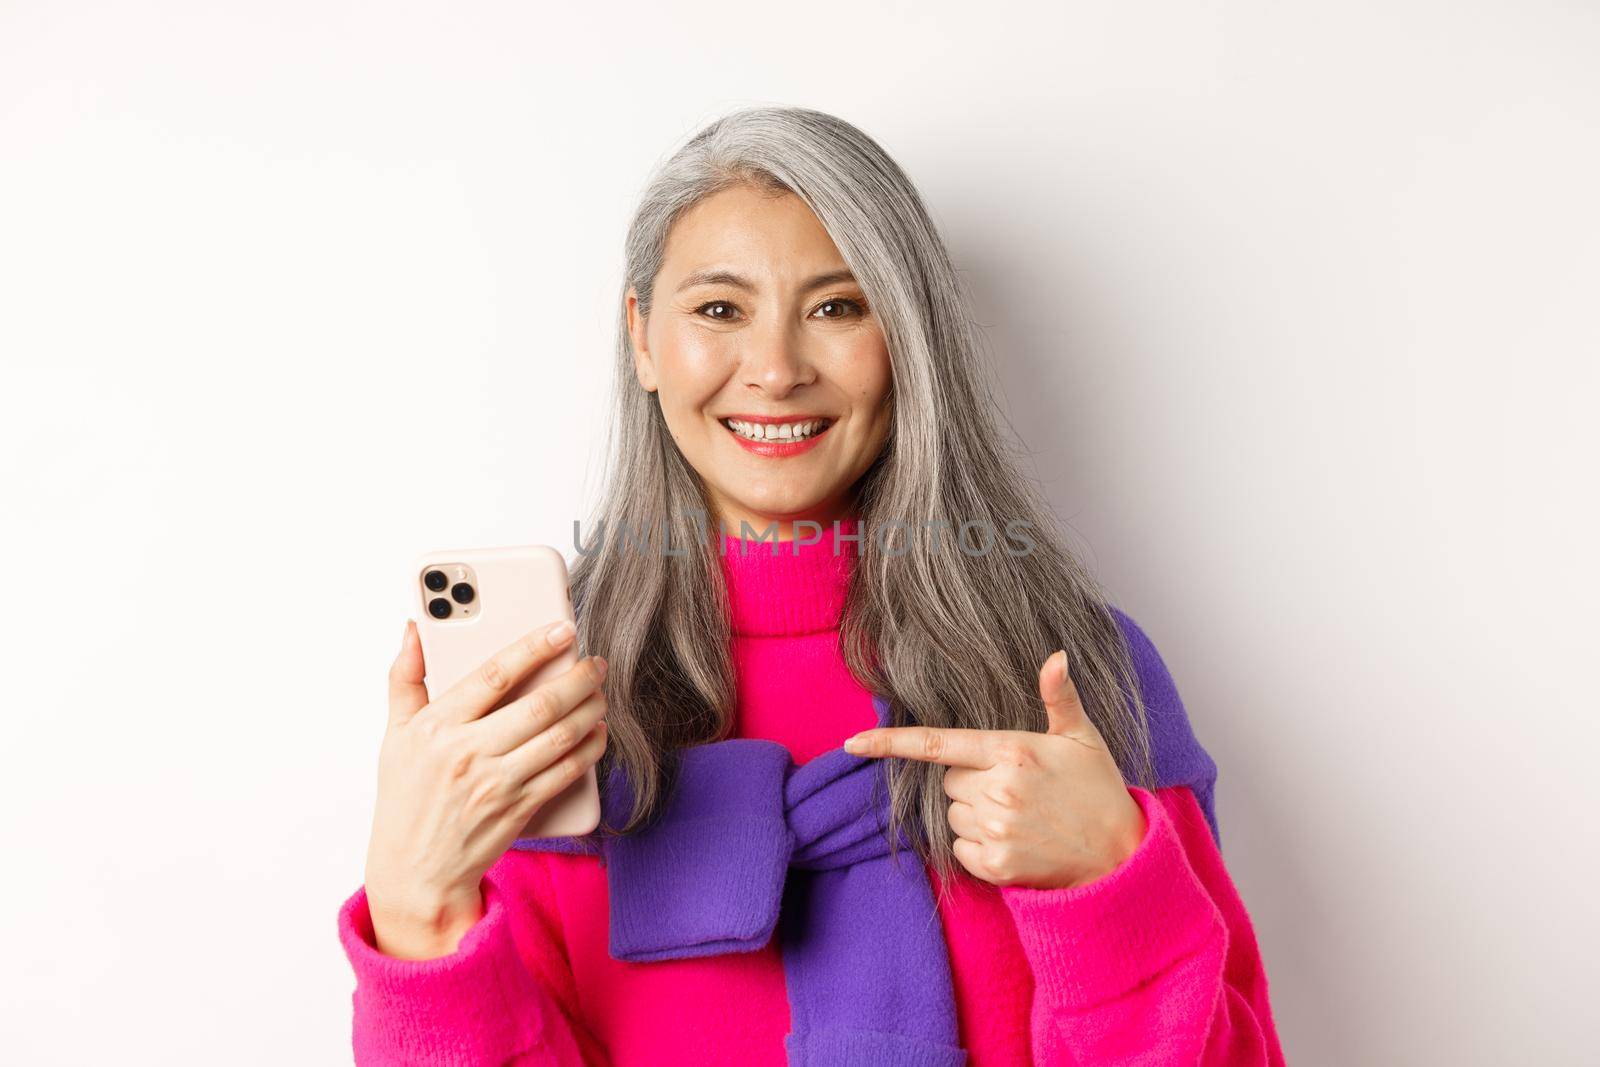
{"x":717,"y":276}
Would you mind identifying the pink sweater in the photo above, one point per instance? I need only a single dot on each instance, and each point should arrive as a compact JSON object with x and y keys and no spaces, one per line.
{"x":1155,"y":963}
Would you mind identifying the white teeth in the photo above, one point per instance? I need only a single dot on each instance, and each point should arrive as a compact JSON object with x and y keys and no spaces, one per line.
{"x":789,"y":431}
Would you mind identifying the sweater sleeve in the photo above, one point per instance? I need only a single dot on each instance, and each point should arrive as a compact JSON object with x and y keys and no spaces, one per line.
{"x":1154,"y":963}
{"x":499,"y":998}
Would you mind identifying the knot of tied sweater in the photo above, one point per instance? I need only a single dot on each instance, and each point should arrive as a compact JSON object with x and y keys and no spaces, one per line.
{"x":749,"y":843}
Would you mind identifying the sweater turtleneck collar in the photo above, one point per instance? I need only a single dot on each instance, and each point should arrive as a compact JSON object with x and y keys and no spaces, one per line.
{"x":781,"y":588}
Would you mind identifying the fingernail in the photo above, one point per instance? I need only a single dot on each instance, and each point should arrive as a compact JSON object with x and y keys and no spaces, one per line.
{"x":855,"y":744}
{"x":600,"y":667}
{"x":559,"y":633}
{"x":405,"y":633}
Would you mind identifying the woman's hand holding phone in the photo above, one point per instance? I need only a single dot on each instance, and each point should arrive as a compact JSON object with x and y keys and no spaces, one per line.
{"x":460,"y":777}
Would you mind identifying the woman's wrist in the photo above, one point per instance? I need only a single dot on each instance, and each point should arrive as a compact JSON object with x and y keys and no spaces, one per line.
{"x":421,"y":929}
{"x":1117,"y":845}
{"x":1122,"y":843}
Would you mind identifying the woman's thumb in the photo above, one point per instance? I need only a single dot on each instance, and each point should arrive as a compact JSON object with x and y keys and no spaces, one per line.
{"x":1060,"y":696}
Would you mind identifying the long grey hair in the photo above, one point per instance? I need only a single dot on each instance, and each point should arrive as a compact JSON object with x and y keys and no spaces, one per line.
{"x":953,"y":638}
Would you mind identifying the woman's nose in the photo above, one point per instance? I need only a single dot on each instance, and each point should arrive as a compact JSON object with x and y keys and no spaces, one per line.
{"x":774,"y":360}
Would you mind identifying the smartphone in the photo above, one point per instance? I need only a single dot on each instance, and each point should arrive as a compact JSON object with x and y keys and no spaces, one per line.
{"x":470,"y":603}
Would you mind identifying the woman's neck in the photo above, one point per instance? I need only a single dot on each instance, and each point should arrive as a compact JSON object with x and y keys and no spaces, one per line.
{"x":788,"y":587}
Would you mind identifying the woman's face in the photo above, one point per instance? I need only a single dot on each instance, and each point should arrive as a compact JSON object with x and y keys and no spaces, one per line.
{"x":757,"y":319}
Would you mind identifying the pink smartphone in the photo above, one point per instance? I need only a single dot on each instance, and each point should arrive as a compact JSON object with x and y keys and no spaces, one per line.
{"x":473,"y":602}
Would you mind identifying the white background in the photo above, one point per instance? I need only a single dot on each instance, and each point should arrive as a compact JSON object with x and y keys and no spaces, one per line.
{"x":1295,"y":305}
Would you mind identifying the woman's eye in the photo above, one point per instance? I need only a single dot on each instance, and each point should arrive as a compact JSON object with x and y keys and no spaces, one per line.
{"x":853,"y":306}
{"x":828,"y":309}
{"x":701,"y":310}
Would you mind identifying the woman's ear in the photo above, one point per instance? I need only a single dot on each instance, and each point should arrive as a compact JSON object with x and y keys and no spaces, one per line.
{"x":643,"y":367}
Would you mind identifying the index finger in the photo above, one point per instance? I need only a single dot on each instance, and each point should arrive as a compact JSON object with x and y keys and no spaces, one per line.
{"x":477,"y":692}
{"x":951,"y":746}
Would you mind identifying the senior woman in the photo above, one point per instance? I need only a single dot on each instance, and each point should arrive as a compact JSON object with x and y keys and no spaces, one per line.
{"x":885,"y":777}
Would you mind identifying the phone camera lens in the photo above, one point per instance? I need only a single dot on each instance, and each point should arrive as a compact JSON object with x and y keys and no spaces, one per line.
{"x":462,"y":593}
{"x":439,"y":607}
{"x":436,"y":581}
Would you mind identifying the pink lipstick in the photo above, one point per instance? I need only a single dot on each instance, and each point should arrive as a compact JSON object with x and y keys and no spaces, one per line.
{"x":800,"y":433}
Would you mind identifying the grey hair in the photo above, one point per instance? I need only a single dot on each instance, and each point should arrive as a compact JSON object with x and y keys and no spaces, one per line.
{"x":953,"y":639}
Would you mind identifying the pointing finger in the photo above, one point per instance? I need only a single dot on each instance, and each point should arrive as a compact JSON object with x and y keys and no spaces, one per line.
{"x":947,"y":745}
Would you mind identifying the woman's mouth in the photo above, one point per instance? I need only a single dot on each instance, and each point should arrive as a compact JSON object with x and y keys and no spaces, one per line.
{"x":766,"y":437}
